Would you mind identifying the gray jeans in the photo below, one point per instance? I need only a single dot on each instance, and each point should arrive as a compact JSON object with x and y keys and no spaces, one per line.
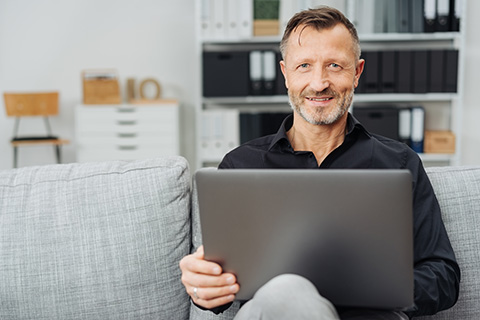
{"x":294,"y":297}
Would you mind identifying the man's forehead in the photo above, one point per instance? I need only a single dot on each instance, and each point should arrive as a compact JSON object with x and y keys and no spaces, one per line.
{"x":338,"y":36}
{"x":301,"y":31}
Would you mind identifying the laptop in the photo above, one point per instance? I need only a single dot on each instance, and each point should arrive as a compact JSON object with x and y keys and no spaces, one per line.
{"x":349,"y":232}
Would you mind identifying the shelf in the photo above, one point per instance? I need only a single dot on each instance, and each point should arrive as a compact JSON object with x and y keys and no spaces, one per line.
{"x":258,"y":39}
{"x":413,"y":41}
{"x":390,"y":37}
{"x":372,"y":37}
{"x":246,"y":100}
{"x":358,"y":97}
{"x":403,"y":97}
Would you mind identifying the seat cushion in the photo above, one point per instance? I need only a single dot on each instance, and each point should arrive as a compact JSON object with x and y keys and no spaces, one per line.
{"x":95,"y":240}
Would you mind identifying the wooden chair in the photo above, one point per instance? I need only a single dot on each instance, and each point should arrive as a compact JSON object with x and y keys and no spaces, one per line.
{"x":20,"y":105}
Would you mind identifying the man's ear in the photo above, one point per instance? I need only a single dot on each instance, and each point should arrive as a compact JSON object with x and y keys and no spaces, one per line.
{"x":282,"y":67}
{"x":359,"y":70}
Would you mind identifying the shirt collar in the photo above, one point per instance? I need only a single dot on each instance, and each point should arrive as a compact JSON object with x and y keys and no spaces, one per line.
{"x":281,"y":135}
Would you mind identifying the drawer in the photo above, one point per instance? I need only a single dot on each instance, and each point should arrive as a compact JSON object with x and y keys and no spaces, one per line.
{"x":114,"y":114}
{"x":102,"y":154}
{"x":119,"y":118}
{"x":128,"y":127}
{"x":107,"y":141}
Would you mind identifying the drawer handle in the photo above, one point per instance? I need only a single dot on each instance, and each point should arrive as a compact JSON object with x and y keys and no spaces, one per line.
{"x":127,"y":147}
{"x":126,"y":135}
{"x":127,"y":122}
{"x":126,"y":110}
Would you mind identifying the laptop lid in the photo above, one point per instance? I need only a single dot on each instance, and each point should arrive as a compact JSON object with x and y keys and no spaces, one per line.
{"x":349,"y":232}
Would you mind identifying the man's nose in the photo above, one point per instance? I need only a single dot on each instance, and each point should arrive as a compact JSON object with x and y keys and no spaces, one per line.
{"x":319,"y":80}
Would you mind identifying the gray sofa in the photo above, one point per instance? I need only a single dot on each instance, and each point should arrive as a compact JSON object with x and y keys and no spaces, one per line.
{"x":103,"y":240}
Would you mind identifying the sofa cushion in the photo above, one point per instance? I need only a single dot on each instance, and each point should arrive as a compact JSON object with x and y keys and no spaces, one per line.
{"x":458,"y":192}
{"x":95,"y":240}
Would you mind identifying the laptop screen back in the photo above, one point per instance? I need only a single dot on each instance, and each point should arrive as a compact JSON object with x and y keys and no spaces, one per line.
{"x":347,"y":231}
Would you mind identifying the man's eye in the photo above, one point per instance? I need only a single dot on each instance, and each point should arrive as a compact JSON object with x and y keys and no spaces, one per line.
{"x":334,"y":65}
{"x":304,"y":65}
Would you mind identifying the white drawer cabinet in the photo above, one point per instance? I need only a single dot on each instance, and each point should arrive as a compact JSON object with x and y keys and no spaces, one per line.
{"x":126,"y":131}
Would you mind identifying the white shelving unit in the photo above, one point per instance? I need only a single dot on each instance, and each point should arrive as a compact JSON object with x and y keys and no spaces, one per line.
{"x":443,"y":110}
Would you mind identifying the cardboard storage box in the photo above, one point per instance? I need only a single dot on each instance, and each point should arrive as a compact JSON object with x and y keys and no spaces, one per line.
{"x":439,"y":142}
{"x":101,"y":87}
{"x":266,"y":27}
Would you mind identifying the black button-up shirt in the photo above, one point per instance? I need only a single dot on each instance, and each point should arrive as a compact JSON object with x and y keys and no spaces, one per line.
{"x":436,"y":271}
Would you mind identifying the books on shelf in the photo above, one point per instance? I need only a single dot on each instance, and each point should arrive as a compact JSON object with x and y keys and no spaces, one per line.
{"x":226,"y":19}
{"x":222,"y":20}
{"x":405,"y":16}
{"x":258,"y":124}
{"x":288,"y":8}
{"x":219,"y":133}
{"x":418,"y":129}
{"x":409,"y":71}
{"x":224,"y":129}
{"x":257,"y":73}
{"x":407,"y":125}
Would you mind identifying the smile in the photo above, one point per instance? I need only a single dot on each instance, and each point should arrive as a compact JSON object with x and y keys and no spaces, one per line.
{"x":319,"y":99}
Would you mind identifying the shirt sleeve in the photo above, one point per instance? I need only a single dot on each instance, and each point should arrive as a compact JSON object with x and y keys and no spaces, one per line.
{"x":216,"y":310}
{"x":436,"y":272}
{"x":225,"y":163}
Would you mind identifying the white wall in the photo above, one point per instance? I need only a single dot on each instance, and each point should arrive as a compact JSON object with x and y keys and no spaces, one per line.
{"x":45,"y":45}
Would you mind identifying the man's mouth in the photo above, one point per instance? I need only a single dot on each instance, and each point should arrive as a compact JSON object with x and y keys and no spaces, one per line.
{"x":319,"y":99}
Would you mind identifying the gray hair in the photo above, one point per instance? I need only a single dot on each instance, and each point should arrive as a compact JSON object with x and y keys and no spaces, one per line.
{"x":320,"y":18}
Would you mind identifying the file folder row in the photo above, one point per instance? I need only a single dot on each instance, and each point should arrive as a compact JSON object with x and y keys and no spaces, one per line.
{"x":398,"y":123}
{"x":255,"y":125}
{"x":219,"y":133}
{"x":226,"y":19}
{"x":405,"y":16}
{"x":408,"y":71}
{"x":242,"y":73}
{"x":222,"y":130}
{"x":234,"y":19}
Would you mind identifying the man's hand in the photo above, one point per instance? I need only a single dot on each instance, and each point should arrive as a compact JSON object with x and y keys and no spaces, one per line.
{"x":205,"y":281}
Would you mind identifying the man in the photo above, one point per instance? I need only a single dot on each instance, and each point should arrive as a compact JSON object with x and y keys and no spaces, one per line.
{"x":322,"y":66}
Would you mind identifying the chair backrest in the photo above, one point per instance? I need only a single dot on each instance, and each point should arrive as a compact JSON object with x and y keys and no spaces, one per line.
{"x":31,"y":104}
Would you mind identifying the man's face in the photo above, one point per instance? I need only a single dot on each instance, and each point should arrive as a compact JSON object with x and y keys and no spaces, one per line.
{"x":321,"y":72}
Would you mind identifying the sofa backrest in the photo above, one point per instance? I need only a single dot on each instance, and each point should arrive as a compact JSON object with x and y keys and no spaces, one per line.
{"x":95,"y":240}
{"x":458,"y":192}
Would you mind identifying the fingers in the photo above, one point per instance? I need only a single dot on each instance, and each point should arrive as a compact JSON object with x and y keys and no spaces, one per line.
{"x":195,"y":263}
{"x":213,"y":297}
{"x":214,"y":288}
{"x":206,"y":281}
{"x":200,"y":253}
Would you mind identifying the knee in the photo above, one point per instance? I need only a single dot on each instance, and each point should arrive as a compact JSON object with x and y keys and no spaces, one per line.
{"x":287,"y":284}
{"x":291,"y":296}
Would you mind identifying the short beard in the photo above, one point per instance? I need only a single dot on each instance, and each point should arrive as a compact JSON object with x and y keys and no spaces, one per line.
{"x":320,"y":117}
